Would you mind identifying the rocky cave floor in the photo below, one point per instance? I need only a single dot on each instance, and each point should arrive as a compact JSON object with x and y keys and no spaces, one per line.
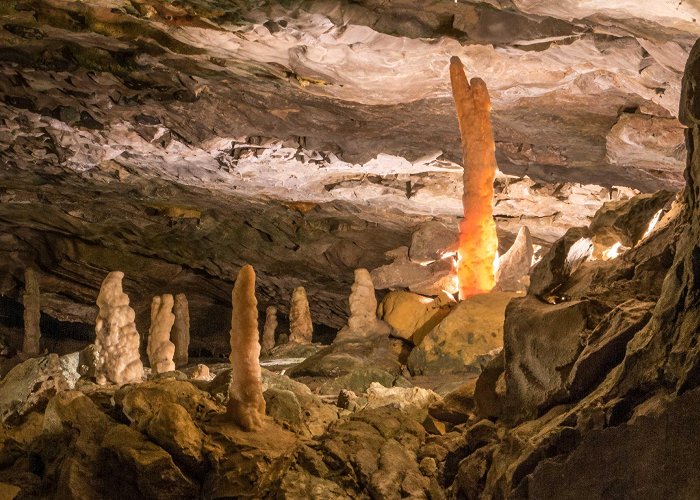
{"x":177,"y":141}
{"x":517,"y":411}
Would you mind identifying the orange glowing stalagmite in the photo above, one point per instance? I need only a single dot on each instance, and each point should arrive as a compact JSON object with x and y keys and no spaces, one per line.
{"x":478,"y":243}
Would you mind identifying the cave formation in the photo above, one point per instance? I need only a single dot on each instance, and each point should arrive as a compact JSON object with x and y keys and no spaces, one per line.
{"x":463,"y":293}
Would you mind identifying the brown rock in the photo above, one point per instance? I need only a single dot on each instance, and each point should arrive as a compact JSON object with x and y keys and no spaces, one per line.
{"x":463,"y":340}
{"x":541,"y":343}
{"x":411,"y":315}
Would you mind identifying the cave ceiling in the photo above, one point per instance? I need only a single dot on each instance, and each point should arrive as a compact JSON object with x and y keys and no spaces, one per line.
{"x":179,"y":140}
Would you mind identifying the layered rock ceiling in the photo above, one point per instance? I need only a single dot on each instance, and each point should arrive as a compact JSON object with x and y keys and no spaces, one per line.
{"x":176,"y":141}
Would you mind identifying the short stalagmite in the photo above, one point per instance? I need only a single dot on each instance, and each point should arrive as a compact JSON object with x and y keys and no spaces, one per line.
{"x":117,"y":357}
{"x":300,"y":326}
{"x":246,"y":404}
{"x":32,"y":314}
{"x":201,"y":372}
{"x":180,"y":334}
{"x":268,"y":338}
{"x":514,"y":265}
{"x":160,"y":349}
{"x":363,"y":320}
{"x":478,"y":243}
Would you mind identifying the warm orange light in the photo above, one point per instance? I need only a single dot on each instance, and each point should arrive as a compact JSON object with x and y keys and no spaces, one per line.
{"x":478,"y":242}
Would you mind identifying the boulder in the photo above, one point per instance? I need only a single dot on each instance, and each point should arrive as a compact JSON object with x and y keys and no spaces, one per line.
{"x":488,"y":391}
{"x":284,"y":407}
{"x":563,"y":258}
{"x":457,"y":407}
{"x":172,"y":428}
{"x":148,"y":469}
{"x":429,"y":279}
{"x":541,"y":343}
{"x":411,"y":315}
{"x":431,"y":241}
{"x":626,"y":221}
{"x":287,"y":396}
{"x":403,"y":398}
{"x":461,"y":342}
{"x":352,"y":364}
{"x":29,"y":385}
{"x":605,"y":346}
{"x":142,"y":402}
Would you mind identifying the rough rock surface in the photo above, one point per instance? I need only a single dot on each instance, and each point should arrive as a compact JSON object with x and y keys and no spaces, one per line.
{"x":462,"y":342}
{"x":353,"y":363}
{"x":30,"y":385}
{"x":631,"y":403}
{"x":627,"y":221}
{"x":513,"y":270}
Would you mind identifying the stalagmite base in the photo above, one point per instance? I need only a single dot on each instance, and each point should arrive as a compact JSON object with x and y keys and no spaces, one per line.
{"x":478,"y":243}
{"x":246,"y":404}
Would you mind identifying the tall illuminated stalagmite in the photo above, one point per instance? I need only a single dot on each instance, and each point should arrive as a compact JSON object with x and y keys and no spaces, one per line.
{"x":246,"y":404}
{"x":478,"y":243}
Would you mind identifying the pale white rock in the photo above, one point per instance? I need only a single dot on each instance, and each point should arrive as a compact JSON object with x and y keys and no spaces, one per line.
{"x":400,"y":397}
{"x":160,"y":349}
{"x":117,"y":357}
{"x":201,"y":372}
{"x":363,"y":321}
